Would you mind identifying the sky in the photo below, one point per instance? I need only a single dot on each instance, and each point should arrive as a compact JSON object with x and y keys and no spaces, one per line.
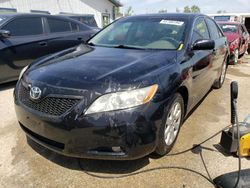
{"x":206,"y":6}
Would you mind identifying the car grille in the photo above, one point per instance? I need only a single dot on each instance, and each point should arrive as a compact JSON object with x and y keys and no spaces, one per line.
{"x":49,"y":105}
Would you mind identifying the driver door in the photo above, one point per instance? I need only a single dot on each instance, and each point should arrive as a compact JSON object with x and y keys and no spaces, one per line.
{"x":201,"y":62}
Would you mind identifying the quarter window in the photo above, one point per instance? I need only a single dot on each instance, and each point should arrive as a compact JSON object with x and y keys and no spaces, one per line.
{"x":57,"y":25}
{"x":25,"y":26}
{"x":200,"y":30}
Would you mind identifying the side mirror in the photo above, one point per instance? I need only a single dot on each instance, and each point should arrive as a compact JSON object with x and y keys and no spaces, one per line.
{"x":4,"y":34}
{"x":203,"y":44}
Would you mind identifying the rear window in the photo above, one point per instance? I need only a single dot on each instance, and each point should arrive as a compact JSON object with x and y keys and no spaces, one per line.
{"x":222,"y":18}
{"x":229,"y":28}
{"x":89,"y":21}
{"x":25,"y":26}
{"x":58,"y":25}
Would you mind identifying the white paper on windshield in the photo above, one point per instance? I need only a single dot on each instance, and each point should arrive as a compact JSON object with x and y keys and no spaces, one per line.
{"x":172,"y":22}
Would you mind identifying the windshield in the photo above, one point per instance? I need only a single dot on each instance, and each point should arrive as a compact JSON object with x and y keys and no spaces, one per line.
{"x":142,"y":33}
{"x":229,"y":28}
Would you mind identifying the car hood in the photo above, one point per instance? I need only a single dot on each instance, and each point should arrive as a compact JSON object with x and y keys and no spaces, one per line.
{"x":231,"y":36}
{"x":88,"y":67}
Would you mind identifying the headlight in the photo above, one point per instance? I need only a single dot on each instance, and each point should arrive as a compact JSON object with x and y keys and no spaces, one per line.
{"x":22,"y":71}
{"x":122,"y":100}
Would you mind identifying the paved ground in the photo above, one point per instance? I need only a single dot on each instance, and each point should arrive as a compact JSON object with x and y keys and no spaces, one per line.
{"x":29,"y":165}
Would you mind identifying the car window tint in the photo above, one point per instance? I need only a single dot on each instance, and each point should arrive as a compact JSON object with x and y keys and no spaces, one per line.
{"x":214,"y":30}
{"x":200,"y":30}
{"x":25,"y":26}
{"x":57,"y":25}
{"x":74,"y":26}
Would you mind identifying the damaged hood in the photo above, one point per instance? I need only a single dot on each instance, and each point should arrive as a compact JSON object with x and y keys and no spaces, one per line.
{"x":87,"y":67}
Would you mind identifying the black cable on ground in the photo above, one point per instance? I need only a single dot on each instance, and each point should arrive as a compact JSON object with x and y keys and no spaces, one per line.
{"x":163,"y":167}
{"x":145,"y":171}
{"x":198,"y":145}
{"x":205,"y":166}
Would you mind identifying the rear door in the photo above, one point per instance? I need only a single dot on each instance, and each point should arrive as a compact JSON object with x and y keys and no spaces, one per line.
{"x":220,"y":50}
{"x":64,"y":34}
{"x":27,"y":43}
{"x":201,"y":61}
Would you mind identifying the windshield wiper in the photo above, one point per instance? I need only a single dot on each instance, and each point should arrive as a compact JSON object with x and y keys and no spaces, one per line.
{"x":127,"y":47}
{"x":91,"y":44}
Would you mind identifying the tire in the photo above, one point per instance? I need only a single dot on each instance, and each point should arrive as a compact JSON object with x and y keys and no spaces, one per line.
{"x":219,"y":83}
{"x":169,"y":130}
{"x":236,"y":56}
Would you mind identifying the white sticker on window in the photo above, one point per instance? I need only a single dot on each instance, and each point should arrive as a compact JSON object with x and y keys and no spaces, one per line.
{"x":172,"y":22}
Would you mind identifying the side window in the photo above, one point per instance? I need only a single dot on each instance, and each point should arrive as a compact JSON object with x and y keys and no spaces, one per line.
{"x":214,"y":30}
{"x":58,"y":25}
{"x":25,"y":26}
{"x":200,"y":30}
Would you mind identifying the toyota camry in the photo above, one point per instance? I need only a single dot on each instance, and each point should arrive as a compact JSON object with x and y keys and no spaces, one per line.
{"x":125,"y":93}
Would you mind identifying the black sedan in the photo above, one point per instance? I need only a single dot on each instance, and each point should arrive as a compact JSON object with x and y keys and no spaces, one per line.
{"x":126,"y":92}
{"x":26,"y":37}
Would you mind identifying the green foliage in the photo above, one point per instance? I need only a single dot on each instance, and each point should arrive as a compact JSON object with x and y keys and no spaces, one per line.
{"x":221,"y":11}
{"x":163,"y":11}
{"x":117,"y":12}
{"x":193,"y":9}
{"x":129,"y":11}
{"x":187,"y":9}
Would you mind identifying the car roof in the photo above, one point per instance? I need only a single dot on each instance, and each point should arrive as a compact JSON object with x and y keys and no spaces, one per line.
{"x":75,"y":15}
{"x":228,"y":22}
{"x":12,"y":15}
{"x":180,"y":15}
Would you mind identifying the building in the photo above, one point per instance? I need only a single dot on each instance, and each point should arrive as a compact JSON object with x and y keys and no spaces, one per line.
{"x":103,"y":10}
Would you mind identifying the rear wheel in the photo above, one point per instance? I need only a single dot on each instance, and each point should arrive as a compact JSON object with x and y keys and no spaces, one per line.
{"x":171,"y":125}
{"x":218,"y":84}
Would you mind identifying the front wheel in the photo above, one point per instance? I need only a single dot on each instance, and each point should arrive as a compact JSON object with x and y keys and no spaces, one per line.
{"x":171,"y":125}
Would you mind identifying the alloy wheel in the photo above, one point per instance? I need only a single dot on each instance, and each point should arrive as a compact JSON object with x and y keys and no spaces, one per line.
{"x":173,"y":122}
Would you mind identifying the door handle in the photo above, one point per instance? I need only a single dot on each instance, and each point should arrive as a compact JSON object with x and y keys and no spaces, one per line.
{"x":42,"y":43}
{"x":79,"y":38}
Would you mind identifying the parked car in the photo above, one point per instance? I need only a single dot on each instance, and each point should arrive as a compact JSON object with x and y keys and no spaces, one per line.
{"x":126,"y":92}
{"x":238,"y":38}
{"x":88,"y":19}
{"x":26,"y":37}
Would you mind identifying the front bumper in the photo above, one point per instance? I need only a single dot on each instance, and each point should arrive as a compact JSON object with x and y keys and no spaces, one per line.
{"x":119,"y":135}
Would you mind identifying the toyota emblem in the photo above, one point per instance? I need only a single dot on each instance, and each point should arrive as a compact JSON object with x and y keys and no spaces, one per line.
{"x":35,"y":93}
